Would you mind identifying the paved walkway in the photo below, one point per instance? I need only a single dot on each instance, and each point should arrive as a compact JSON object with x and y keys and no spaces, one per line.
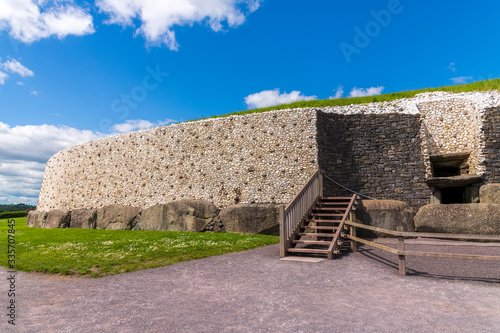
{"x":254,"y":291}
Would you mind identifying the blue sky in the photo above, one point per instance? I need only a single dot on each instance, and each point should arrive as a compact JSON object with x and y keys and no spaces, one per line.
{"x":73,"y":71}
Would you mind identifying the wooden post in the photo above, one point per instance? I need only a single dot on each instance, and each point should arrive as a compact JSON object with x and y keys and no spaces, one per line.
{"x":401,"y":249}
{"x":283,"y":231}
{"x":353,"y":233}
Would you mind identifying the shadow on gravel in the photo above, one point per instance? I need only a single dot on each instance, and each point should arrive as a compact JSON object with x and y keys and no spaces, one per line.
{"x":373,"y":254}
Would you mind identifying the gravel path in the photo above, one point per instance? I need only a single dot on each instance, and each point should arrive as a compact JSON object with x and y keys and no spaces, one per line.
{"x":254,"y":291}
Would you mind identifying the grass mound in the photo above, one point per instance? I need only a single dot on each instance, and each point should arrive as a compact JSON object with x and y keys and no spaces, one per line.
{"x":97,"y":253}
{"x":485,"y":85}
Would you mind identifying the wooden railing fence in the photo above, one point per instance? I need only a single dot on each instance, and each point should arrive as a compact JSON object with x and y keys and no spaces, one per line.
{"x":291,"y":215}
{"x":401,"y":252}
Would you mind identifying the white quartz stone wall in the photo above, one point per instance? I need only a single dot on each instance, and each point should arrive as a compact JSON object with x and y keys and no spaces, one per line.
{"x":257,"y":158}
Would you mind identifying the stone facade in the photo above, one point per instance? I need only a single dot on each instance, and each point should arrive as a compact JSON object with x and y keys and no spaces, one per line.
{"x":258,"y":158}
{"x":491,"y":149}
{"x":379,"y":149}
{"x":377,"y":155}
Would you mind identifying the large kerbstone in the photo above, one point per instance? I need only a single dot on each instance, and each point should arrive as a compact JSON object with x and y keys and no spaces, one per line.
{"x":387,"y":214}
{"x":153,"y":218}
{"x":489,"y":194}
{"x":57,"y":218}
{"x":181,"y":215}
{"x":117,"y":217}
{"x":482,"y":219}
{"x":83,"y":218}
{"x":40,"y":221}
{"x":251,"y":219}
{"x":32,"y":218}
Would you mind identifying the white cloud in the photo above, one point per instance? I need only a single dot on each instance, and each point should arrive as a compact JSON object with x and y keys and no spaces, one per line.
{"x":139,"y":124}
{"x":26,"y":149}
{"x":273,"y":97}
{"x":452,"y":67}
{"x":32,"y":20}
{"x":462,"y":79}
{"x":16,"y":67}
{"x":34,"y":92}
{"x":3,"y":77}
{"x":363,"y":92}
{"x":24,"y":152}
{"x":158,"y":17}
{"x":19,"y":83}
{"x":338,"y":93}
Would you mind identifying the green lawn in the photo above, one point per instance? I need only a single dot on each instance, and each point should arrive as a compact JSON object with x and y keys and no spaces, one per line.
{"x":476,"y":86}
{"x":96,"y":253}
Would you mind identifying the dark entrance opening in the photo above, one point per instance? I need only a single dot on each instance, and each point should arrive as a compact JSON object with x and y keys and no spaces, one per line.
{"x":453,"y":195}
{"x":450,"y":165}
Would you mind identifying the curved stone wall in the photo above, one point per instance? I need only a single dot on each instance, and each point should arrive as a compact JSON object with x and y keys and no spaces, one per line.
{"x":381,"y":149}
{"x":257,"y":158}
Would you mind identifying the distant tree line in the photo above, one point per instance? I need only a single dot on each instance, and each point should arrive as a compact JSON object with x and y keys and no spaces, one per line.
{"x":15,"y":208}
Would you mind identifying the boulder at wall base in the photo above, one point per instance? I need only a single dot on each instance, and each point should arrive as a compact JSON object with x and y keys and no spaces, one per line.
{"x":32,"y":218}
{"x":57,"y":218}
{"x":83,"y":218}
{"x":251,"y":219}
{"x":153,"y":218}
{"x":117,"y":217}
{"x":489,"y":194}
{"x":480,"y":219}
{"x":40,"y":221}
{"x":182,"y":215}
{"x":387,"y":214}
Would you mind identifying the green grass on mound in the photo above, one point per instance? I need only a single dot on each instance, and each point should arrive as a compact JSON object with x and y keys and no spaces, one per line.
{"x":97,"y":253}
{"x":476,"y":86}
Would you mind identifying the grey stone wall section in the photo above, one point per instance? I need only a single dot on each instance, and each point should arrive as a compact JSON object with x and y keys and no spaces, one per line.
{"x":491,"y":129}
{"x":258,"y":158}
{"x":378,"y":155}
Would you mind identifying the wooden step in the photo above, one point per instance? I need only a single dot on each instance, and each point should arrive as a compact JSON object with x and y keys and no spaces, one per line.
{"x":326,"y":227}
{"x":336,"y":198}
{"x":320,"y":221}
{"x":330,"y":207}
{"x":315,"y":234}
{"x":321,"y":209}
{"x":325,"y":214}
{"x":333,"y":203}
{"x":303,"y":250}
{"x":311,"y":242}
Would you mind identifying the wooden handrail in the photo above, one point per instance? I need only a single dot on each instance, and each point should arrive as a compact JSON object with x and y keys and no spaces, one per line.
{"x":292,"y":215}
{"x":304,"y":188}
{"x":425,"y":234}
{"x":402,"y":253}
{"x":334,"y":245}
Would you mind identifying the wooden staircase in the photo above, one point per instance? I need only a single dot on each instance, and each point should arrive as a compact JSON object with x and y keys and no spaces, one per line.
{"x":321,"y":232}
